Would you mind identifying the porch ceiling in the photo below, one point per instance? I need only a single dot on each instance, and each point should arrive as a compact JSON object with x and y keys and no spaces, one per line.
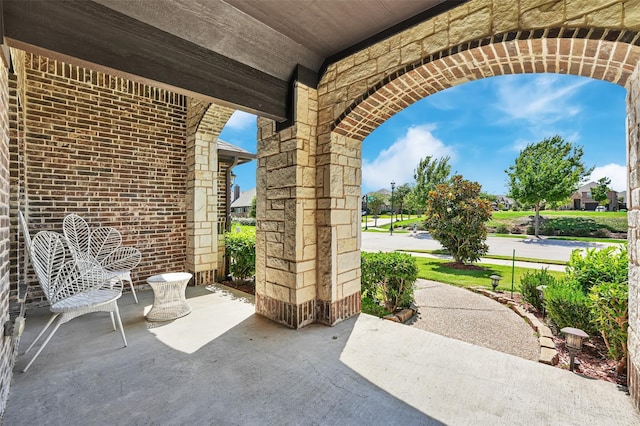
{"x":239,"y":53}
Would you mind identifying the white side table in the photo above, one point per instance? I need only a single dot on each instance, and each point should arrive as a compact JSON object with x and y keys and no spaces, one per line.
{"x":169,"y":296}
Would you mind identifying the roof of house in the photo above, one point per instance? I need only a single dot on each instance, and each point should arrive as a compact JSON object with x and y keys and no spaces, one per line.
{"x":232,"y":152}
{"x":245,"y":198}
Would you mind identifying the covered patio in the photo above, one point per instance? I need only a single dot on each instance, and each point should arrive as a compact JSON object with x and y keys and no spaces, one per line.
{"x":112,"y":109}
{"x":222,"y":364}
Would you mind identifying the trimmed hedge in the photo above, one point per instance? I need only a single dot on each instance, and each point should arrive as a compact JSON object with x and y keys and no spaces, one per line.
{"x":389,"y":278}
{"x":240,"y":249}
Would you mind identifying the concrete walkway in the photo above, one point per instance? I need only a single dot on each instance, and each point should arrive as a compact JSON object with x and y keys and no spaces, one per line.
{"x":223,"y":365}
{"x":464,"y":315}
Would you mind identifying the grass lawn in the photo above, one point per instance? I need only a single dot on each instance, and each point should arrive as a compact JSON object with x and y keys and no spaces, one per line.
{"x":566,"y":222}
{"x":438,"y":270}
{"x":494,"y":256}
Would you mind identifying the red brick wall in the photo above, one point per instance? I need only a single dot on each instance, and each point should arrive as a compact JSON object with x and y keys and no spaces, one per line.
{"x":8,"y":348}
{"x":110,"y":150}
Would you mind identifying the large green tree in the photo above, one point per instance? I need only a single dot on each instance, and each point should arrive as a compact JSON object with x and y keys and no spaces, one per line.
{"x":457,"y":216}
{"x":400,"y":198}
{"x":429,"y":173}
{"x":547,"y":171}
{"x":601,"y":190}
{"x":375,"y":201}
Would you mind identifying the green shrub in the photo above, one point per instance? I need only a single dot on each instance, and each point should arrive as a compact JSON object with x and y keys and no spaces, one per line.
{"x":568,"y":306}
{"x":609,"y":265}
{"x":247,"y":221}
{"x":371,"y":307}
{"x":609,"y":309}
{"x":502,"y":229}
{"x":528,"y":284}
{"x":240,"y":249}
{"x":388,"y":278}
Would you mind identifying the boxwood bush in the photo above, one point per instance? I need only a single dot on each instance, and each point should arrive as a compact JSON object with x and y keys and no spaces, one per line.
{"x":568,"y":306}
{"x":240,"y":249}
{"x":609,"y":265}
{"x":529,"y":283}
{"x":389,"y":278}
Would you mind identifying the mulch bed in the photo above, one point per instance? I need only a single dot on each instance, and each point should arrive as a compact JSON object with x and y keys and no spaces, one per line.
{"x":246,"y":286}
{"x":464,"y":267}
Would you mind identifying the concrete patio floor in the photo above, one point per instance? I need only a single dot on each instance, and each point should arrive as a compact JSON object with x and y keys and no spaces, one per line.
{"x":224,"y":365}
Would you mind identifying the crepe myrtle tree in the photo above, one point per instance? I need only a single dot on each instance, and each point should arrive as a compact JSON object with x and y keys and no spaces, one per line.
{"x":546,"y":171}
{"x":457,"y":216}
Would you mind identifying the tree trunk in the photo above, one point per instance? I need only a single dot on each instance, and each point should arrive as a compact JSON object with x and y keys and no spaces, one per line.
{"x":537,"y":221}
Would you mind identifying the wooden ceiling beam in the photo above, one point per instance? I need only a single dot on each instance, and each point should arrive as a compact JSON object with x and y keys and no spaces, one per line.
{"x":89,"y":34}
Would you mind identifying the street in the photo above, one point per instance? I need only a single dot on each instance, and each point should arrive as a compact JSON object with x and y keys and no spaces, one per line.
{"x":530,"y":247}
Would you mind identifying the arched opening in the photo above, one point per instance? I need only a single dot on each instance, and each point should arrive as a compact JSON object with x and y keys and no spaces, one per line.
{"x":601,"y":54}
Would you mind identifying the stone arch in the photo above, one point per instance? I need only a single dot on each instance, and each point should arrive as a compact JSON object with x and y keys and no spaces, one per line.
{"x":205,"y":178}
{"x":609,"y":55}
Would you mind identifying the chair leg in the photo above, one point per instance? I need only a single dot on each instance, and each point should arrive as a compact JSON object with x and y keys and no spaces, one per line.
{"x":54,"y":316}
{"x":133,"y":290}
{"x":55,"y":328}
{"x":117,"y":312}
{"x":113,"y":323}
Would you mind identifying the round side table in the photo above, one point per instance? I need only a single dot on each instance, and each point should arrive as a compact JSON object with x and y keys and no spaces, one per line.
{"x":169,"y":296}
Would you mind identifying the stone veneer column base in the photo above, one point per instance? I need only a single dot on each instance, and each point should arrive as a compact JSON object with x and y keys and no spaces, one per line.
{"x":633,"y":382}
{"x":298,"y":316}
{"x":331,"y":313}
{"x":289,"y":314}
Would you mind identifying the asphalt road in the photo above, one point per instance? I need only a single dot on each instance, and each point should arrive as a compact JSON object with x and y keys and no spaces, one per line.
{"x":539,"y":248}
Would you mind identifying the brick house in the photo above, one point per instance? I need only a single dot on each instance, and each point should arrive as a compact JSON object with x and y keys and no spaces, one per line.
{"x":582,"y":200}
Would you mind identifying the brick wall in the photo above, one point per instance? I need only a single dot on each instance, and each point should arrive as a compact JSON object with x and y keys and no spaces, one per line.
{"x":8,"y":349}
{"x":110,"y":150}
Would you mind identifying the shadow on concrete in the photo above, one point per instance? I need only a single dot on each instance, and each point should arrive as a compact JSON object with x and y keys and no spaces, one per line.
{"x":224,"y":365}
{"x":221,"y":364}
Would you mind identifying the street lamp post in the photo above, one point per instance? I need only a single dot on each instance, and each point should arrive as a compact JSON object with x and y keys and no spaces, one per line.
{"x":393,"y":186}
{"x":366,"y":212}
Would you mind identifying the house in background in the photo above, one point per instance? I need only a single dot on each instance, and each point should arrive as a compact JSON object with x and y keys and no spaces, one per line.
{"x":503,"y":203}
{"x":385,"y":193}
{"x":622,"y":200}
{"x":582,"y":199}
{"x":241,"y":202}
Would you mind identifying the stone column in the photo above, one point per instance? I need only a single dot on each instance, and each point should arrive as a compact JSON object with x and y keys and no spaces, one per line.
{"x":633,"y":206}
{"x":286,"y":246}
{"x":339,"y":170}
{"x":204,"y":124}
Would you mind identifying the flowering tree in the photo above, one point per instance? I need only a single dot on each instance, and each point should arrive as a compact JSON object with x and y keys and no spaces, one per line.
{"x":457,"y":216}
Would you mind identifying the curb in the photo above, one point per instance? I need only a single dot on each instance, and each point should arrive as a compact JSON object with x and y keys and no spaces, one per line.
{"x":548,"y":353}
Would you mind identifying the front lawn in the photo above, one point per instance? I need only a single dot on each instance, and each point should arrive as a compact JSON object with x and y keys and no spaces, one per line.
{"x":441,"y":271}
{"x":562,"y":223}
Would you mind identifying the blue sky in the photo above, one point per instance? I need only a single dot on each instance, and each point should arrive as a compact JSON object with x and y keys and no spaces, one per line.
{"x":483,"y":125}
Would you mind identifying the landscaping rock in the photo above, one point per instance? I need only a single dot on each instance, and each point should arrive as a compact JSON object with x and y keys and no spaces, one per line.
{"x":548,"y":356}
{"x":545,"y":331}
{"x":546,"y":342}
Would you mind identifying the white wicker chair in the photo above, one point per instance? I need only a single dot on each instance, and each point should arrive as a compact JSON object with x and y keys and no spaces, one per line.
{"x":72,"y":287}
{"x":99,"y":244}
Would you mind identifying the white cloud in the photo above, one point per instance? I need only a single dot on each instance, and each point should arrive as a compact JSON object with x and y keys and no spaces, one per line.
{"x":545,"y":98}
{"x":399,"y":160}
{"x":616,"y":172}
{"x":240,"y":120}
